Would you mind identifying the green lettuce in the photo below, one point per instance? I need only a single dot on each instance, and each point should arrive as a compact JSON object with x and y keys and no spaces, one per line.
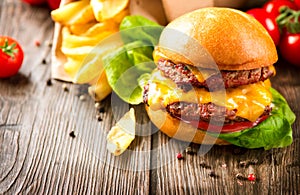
{"x":126,"y":65}
{"x":274,"y":132}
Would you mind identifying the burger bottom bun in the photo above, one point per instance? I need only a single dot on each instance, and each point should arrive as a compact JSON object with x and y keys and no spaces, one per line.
{"x":179,"y":130}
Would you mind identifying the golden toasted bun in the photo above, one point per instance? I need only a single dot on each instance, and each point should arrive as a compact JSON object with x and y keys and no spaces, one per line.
{"x":179,"y":130}
{"x":234,"y":39}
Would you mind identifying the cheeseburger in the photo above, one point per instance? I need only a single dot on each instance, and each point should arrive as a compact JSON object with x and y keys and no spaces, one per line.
{"x":211,"y":84}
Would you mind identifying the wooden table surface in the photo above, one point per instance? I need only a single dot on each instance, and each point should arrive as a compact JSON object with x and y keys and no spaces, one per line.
{"x":38,"y":155}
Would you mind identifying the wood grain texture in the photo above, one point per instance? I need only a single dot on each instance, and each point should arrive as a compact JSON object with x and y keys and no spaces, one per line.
{"x":38,"y":156}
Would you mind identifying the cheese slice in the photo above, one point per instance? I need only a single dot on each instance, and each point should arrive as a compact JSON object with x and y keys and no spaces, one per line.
{"x":202,"y":74}
{"x":249,"y":100}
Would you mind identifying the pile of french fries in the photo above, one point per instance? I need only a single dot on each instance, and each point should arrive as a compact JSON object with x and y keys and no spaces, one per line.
{"x":84,"y":24}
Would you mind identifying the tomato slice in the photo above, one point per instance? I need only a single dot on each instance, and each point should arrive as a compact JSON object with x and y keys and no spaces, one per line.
{"x":227,"y":128}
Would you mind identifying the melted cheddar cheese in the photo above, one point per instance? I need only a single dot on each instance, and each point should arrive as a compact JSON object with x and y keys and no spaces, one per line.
{"x":249,"y":100}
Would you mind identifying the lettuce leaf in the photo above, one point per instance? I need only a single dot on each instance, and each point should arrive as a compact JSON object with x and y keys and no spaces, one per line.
{"x":127,"y":64}
{"x":274,"y":132}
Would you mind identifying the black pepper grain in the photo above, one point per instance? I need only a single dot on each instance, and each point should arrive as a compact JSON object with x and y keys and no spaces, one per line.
{"x":212,"y":173}
{"x":189,"y":150}
{"x":101,"y":109}
{"x":202,"y":164}
{"x":44,"y":61}
{"x":240,"y":176}
{"x":98,"y":117}
{"x":49,"y":82}
{"x":65,"y":88}
{"x":72,"y":134}
{"x":242,"y":163}
{"x":253,"y":162}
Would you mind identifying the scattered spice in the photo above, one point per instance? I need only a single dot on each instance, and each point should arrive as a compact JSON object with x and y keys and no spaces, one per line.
{"x":44,"y":61}
{"x":49,"y":43}
{"x":212,"y":173}
{"x":189,"y":150}
{"x":37,"y":43}
{"x":65,"y":87}
{"x":101,"y":109}
{"x":98,"y":117}
{"x":82,"y":97}
{"x":253,"y":162}
{"x":224,"y":166}
{"x":179,"y":156}
{"x":72,"y":134}
{"x":97,"y":105}
{"x":49,"y":82}
{"x":202,"y":164}
{"x":251,"y":177}
{"x":207,"y":167}
{"x":243,"y":163}
{"x":239,"y":176}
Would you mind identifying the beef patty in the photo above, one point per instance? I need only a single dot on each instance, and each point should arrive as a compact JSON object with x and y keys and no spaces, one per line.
{"x":206,"y":112}
{"x":186,"y":80}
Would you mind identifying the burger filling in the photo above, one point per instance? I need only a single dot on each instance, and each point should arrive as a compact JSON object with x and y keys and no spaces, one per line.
{"x":233,"y":109}
{"x":186,"y":77}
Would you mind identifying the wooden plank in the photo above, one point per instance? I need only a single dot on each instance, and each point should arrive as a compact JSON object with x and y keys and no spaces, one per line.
{"x":37,"y":155}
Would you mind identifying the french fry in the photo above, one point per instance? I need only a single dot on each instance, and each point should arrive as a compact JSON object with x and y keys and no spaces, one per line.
{"x":85,"y":23}
{"x":107,"y":9}
{"x":65,"y":14}
{"x":86,"y":15}
{"x":112,"y":7}
{"x":72,"y":41}
{"x":77,"y":53}
{"x":101,"y":27}
{"x":101,"y":89}
{"x":122,"y":134}
{"x":79,"y":29}
{"x":72,"y":66}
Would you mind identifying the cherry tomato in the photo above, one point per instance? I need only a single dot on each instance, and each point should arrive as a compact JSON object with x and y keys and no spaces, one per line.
{"x":273,"y":6}
{"x":290,"y":47}
{"x":268,"y":21}
{"x":35,"y":2}
{"x":11,"y":57}
{"x":53,"y":4}
{"x":297,"y":2}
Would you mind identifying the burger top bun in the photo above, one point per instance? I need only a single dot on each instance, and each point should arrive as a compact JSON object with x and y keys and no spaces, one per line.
{"x":228,"y":38}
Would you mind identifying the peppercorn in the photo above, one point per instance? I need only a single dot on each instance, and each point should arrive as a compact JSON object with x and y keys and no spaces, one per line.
{"x":239,"y":176}
{"x":49,"y":82}
{"x":72,"y":134}
{"x":82,"y":98}
{"x":202,"y":164}
{"x":253,"y":162}
{"x":98,"y":117}
{"x":243,"y":163}
{"x":251,"y":177}
{"x":101,"y":109}
{"x":65,"y":88}
{"x":212,"y":173}
{"x":37,"y":43}
{"x":44,"y":61}
{"x":97,"y":105}
{"x":179,"y":156}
